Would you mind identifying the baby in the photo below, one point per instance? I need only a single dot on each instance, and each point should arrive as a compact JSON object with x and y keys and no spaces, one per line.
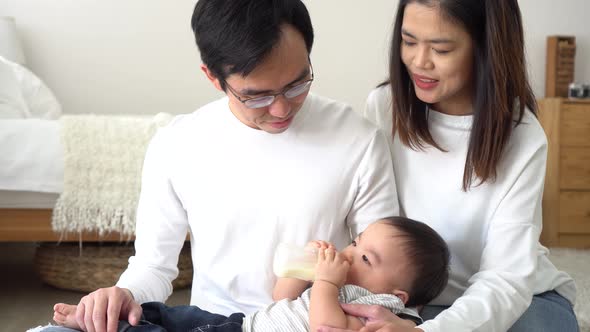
{"x":395,"y":262}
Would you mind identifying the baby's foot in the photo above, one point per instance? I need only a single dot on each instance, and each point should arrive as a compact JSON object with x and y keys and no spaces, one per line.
{"x":65,"y":315}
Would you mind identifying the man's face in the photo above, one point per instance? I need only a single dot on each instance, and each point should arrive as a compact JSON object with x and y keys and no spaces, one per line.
{"x":285,"y":67}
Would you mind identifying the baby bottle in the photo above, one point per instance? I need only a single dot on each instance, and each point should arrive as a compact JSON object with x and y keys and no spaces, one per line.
{"x":292,"y":261}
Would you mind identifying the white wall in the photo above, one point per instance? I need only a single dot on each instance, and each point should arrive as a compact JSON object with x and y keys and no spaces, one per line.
{"x":544,"y":18}
{"x":138,"y":56}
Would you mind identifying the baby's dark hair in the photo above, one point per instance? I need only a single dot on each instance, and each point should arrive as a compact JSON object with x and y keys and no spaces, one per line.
{"x":429,"y":256}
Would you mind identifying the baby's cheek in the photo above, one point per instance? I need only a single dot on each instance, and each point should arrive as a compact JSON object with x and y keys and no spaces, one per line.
{"x":352,"y":276}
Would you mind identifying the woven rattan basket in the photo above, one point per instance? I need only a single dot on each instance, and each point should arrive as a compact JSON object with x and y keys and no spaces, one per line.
{"x":93,"y":266}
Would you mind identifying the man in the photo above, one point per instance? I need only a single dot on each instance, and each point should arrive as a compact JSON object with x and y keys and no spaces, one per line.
{"x":268,"y":163}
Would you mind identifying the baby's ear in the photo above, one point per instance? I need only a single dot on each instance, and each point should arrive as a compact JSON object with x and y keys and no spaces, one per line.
{"x":403,"y":295}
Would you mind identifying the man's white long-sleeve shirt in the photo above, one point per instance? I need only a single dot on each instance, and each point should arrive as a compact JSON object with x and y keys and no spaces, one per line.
{"x":492,"y":230}
{"x":241,"y":191}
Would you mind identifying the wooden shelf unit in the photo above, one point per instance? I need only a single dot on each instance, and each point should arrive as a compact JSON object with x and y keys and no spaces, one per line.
{"x":566,"y":199}
{"x":560,"y":64}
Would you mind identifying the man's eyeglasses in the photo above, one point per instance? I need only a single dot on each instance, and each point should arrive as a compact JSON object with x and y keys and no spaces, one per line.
{"x":289,"y":92}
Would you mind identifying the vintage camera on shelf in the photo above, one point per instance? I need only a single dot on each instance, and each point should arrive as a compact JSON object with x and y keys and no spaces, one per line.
{"x":578,"y":90}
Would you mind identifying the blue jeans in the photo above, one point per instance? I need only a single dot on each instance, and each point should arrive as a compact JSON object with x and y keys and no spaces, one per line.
{"x":549,"y":312}
{"x":158,"y":317}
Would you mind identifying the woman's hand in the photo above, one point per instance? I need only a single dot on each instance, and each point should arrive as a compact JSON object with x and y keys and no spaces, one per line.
{"x":378,"y":319}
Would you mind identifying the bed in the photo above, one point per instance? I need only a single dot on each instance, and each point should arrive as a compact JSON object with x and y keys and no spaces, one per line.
{"x":30,"y":180}
{"x":76,"y":179}
{"x":26,"y":217}
{"x":39,"y":165}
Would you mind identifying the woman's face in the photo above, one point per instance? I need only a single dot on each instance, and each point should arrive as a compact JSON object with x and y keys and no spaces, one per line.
{"x":438,"y":55}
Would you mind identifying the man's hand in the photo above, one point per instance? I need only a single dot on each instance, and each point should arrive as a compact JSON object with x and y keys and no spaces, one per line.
{"x":100,"y":310}
{"x":378,"y":319}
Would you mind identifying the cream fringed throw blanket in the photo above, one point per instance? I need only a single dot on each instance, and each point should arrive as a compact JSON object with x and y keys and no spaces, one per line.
{"x":103,"y":158}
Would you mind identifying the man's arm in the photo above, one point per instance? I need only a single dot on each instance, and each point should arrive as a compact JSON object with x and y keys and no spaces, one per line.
{"x":376,"y":194}
{"x":161,"y":225}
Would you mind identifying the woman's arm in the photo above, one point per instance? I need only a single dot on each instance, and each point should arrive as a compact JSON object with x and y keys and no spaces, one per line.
{"x":502,"y":289}
{"x":377,"y":319}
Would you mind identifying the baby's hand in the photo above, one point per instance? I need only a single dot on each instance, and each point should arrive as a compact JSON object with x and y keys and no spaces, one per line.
{"x":320,"y":245}
{"x":332,"y":267}
{"x":65,"y":315}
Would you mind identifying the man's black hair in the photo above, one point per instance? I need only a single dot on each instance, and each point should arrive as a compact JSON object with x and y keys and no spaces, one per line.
{"x":235,"y":36}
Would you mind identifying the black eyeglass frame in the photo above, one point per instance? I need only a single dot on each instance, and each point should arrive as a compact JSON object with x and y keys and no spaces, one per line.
{"x":245,"y":101}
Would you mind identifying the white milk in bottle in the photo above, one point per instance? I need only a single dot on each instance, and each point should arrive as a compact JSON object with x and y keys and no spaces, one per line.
{"x":292,"y":261}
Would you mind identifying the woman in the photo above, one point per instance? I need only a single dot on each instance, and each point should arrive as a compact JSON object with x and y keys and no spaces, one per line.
{"x":469,"y":158}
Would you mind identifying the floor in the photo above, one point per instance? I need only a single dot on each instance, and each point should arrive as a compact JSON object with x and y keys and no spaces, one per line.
{"x":26,"y":302}
{"x":576,"y":262}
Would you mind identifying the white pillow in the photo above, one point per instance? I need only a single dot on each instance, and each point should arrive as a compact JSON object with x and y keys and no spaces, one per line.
{"x":24,"y":95}
{"x":12,"y":104}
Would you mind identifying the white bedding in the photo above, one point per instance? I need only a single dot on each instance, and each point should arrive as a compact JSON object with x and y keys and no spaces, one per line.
{"x":10,"y":199}
{"x":31,"y":157}
{"x":32,"y":160}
